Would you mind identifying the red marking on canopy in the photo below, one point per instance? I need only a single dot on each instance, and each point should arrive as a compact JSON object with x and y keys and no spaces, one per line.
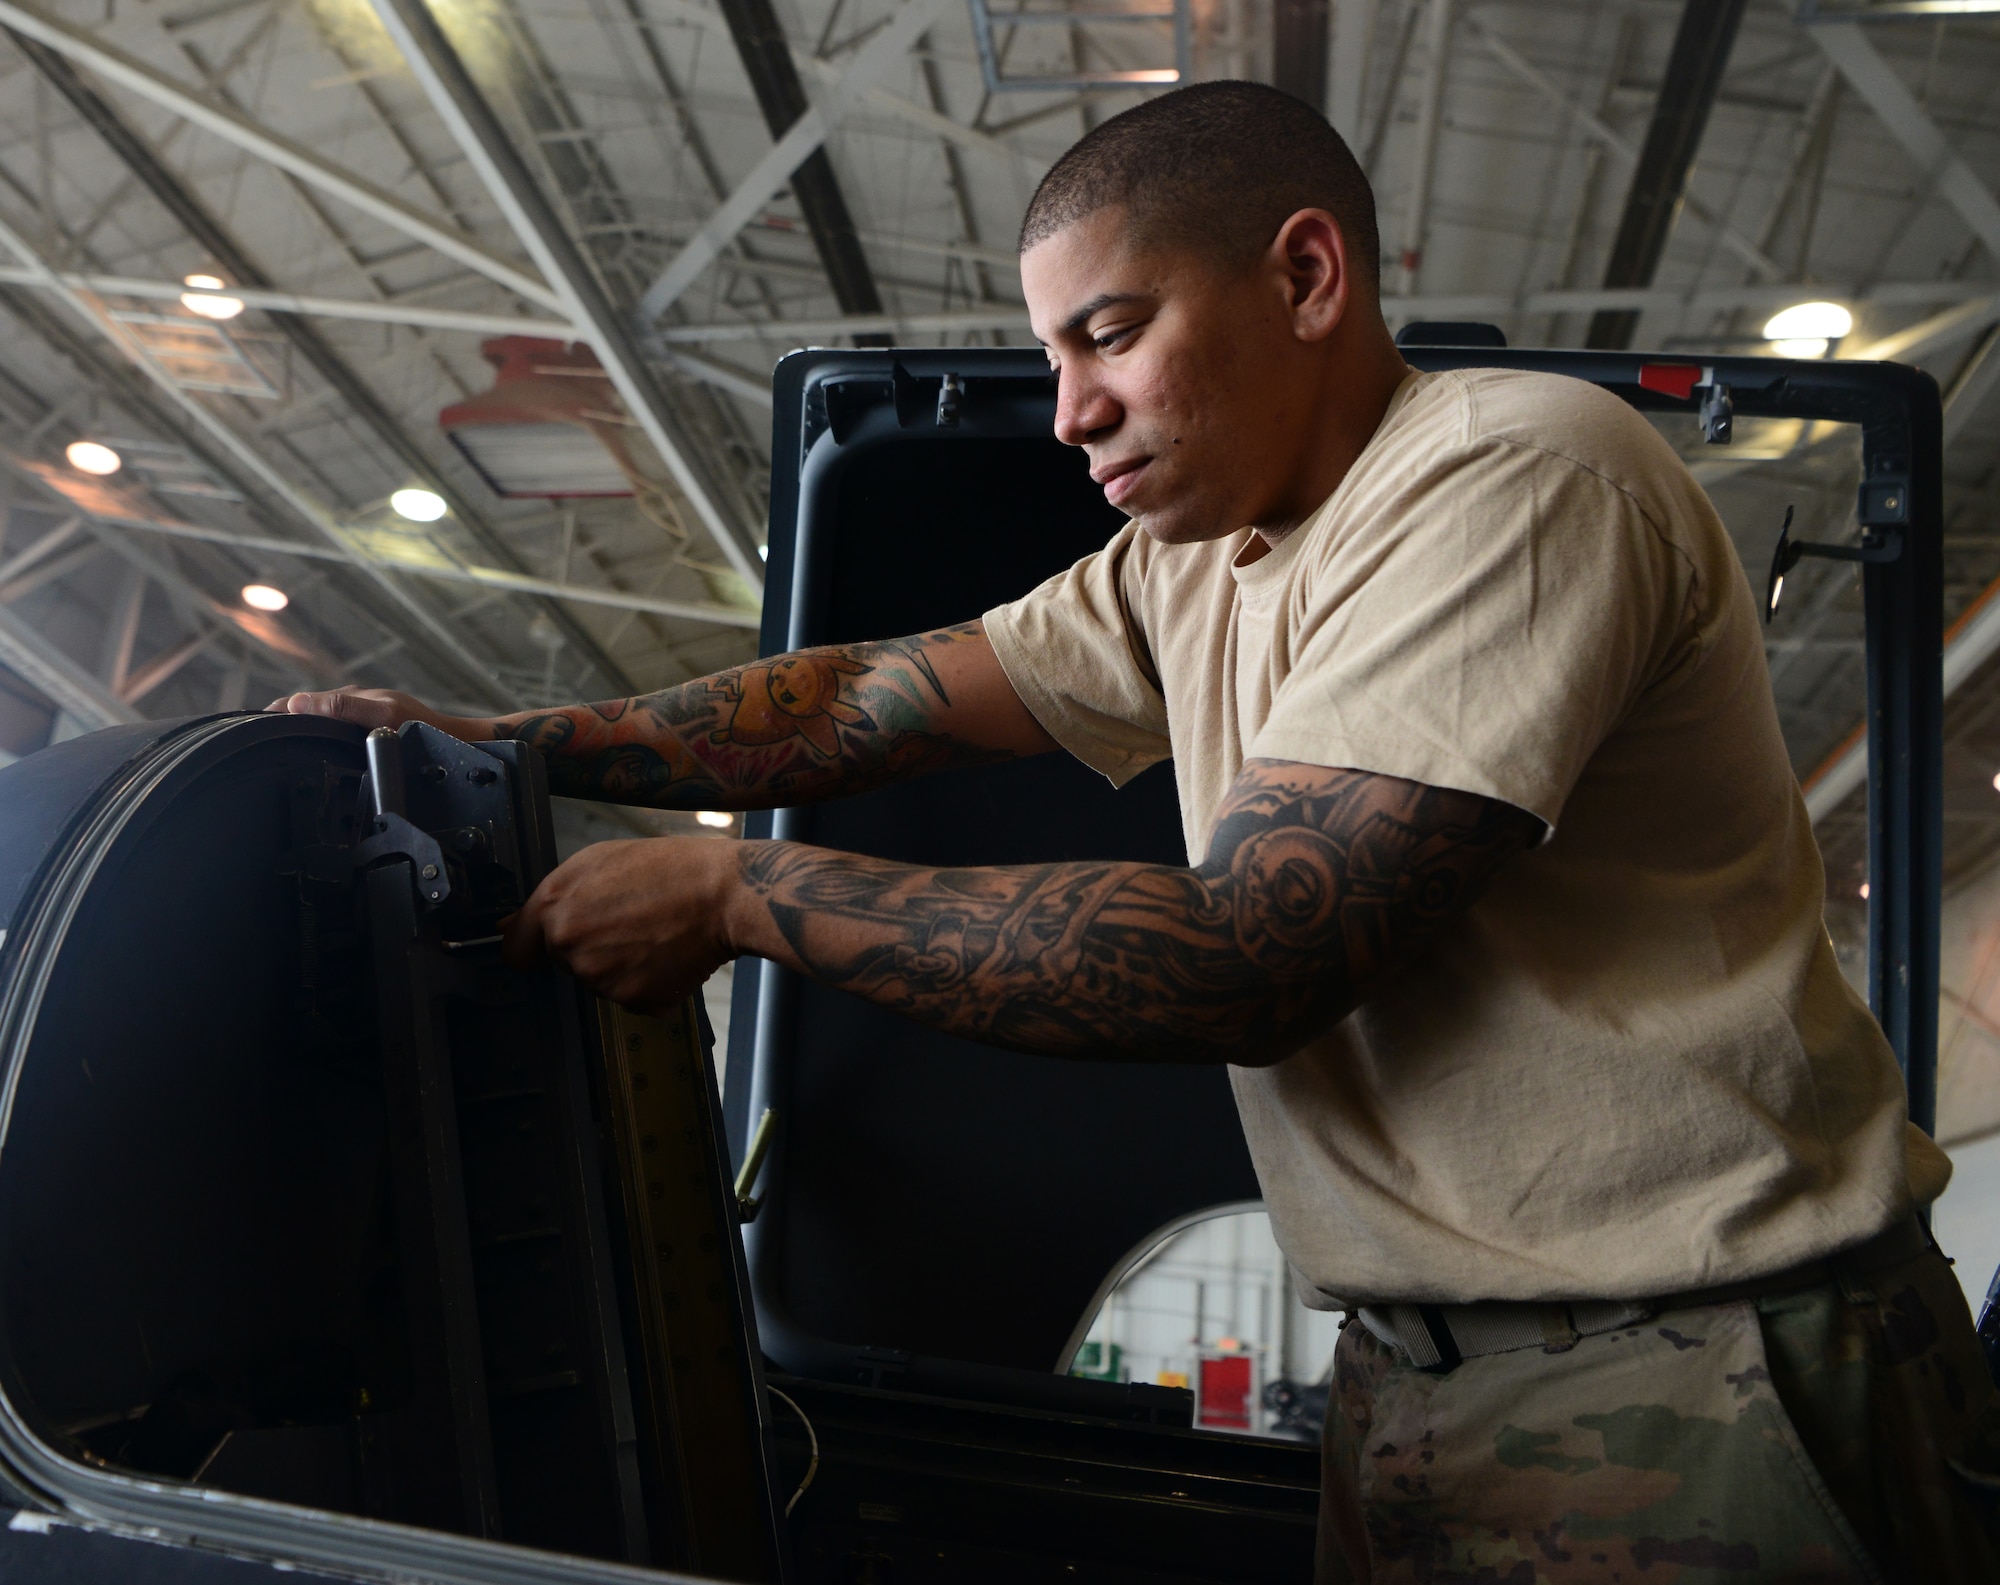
{"x":1670,"y":379}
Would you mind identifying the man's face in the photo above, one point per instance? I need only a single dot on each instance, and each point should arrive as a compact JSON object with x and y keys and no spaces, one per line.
{"x":1179,"y":377}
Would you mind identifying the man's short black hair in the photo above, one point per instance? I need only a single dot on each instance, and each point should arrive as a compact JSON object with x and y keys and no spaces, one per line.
{"x":1217,"y":166}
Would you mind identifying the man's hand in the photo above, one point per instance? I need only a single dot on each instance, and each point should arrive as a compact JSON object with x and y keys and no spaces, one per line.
{"x":641,"y":923}
{"x":373,"y":707}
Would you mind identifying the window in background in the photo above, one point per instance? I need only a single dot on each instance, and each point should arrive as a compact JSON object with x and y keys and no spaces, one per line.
{"x":1212,"y":1307}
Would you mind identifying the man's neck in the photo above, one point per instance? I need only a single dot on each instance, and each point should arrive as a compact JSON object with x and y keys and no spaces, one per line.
{"x":1352,"y":421}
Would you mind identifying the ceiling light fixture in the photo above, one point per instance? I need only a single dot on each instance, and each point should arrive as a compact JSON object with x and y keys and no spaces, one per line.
{"x":715,"y":818}
{"x":262,"y":597}
{"x":419,"y":506}
{"x":204,"y":299}
{"x":87,"y":456}
{"x":1807,"y":330}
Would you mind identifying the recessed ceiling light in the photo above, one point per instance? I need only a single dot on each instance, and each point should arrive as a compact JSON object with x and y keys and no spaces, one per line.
{"x":262,"y":597}
{"x":1809,"y":322}
{"x":716,"y":818}
{"x":204,"y":283}
{"x":763,"y":552}
{"x":87,"y":456}
{"x":1804,"y":347}
{"x":1864,"y":891}
{"x":419,"y":506}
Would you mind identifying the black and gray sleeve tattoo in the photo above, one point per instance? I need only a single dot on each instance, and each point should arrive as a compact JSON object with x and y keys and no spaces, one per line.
{"x":1315,"y":882}
{"x":787,"y":729}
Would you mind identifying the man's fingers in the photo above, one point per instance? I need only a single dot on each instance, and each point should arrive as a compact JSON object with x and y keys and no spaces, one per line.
{"x":377,"y":707}
{"x":522,"y":943}
{"x":337,"y":703}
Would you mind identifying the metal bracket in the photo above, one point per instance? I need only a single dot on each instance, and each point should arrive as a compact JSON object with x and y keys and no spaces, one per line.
{"x":1877,"y":545}
{"x":1718,"y":416}
{"x":395,"y":837}
{"x":1681,"y":381}
{"x":1180,"y":14}
{"x":391,"y":834}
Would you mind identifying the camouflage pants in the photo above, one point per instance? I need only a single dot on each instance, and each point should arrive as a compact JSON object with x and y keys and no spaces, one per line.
{"x":1839,"y":1434}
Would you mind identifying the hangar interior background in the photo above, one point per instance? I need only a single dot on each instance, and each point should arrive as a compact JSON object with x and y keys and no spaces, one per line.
{"x":267,"y":267}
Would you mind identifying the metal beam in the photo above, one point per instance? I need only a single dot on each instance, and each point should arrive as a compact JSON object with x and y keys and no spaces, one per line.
{"x":115,"y":66}
{"x":430,"y":566}
{"x":48,"y":572}
{"x":473,"y":126}
{"x":1875,"y":80}
{"x":722,"y":376}
{"x":772,"y":172}
{"x":1700,"y":52}
{"x":37,"y":662}
{"x":685,"y":13}
{"x":731,"y":380}
{"x":774,"y":79}
{"x":121,"y":632}
{"x":251,"y":461}
{"x":1299,"y":30}
{"x":1423,"y":157}
{"x":1918,"y":341}
{"x":1972,"y":385}
{"x":162,"y":667}
{"x":359,"y":399}
{"x":1601,"y":132}
{"x":62,"y":535}
{"x":1352,"y":42}
{"x":1005,"y":316}
{"x":93,"y":359}
{"x":276,"y":302}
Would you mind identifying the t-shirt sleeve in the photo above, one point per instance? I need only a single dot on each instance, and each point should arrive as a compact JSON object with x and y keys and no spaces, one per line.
{"x":1485,"y":631}
{"x":1075,"y":653}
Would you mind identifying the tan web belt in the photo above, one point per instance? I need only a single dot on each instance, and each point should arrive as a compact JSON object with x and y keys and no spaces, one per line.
{"x":1437,"y":1336}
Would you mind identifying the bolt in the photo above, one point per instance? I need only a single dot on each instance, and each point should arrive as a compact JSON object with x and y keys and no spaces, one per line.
{"x":430,"y":872}
{"x":481,"y":776}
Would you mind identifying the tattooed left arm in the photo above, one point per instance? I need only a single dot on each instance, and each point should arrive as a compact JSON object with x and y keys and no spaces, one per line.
{"x":1315,"y":882}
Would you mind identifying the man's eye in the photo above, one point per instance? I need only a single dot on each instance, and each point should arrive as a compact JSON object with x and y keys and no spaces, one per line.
{"x":1108,"y":339}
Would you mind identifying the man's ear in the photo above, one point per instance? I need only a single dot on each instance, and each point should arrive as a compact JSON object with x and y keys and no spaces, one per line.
{"x":1312,"y":252}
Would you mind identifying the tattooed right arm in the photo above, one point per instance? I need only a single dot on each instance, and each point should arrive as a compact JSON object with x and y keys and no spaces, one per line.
{"x":788,"y":729}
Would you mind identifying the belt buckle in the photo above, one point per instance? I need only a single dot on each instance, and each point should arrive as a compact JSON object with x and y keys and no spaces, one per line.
{"x":1443,"y":1344}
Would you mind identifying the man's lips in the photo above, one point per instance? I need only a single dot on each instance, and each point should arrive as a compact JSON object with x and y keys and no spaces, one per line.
{"x":1119,"y":479}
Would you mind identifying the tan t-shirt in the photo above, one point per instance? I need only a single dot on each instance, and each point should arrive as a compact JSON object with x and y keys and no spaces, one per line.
{"x":1633,"y":1066}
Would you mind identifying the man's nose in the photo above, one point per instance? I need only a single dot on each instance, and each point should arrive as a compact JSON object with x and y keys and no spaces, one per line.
{"x":1083,"y":407}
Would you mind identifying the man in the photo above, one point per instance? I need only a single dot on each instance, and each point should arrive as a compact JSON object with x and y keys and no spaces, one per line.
{"x":1502,"y":904}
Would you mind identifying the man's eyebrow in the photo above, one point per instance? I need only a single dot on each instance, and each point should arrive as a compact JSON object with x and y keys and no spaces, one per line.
{"x":1096,"y":305}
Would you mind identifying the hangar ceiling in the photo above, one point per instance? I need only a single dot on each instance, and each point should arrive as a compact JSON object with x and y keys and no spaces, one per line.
{"x":692,"y":187}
